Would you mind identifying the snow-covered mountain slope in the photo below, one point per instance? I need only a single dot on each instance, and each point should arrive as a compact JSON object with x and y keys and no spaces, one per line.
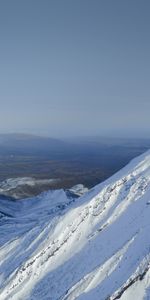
{"x":19,"y":187}
{"x":78,"y":189}
{"x":96,"y":247}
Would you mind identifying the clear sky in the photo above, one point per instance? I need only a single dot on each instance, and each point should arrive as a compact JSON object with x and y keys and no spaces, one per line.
{"x":75,"y":67}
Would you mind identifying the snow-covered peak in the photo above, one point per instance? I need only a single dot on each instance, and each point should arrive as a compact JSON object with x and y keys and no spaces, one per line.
{"x":96,"y":247}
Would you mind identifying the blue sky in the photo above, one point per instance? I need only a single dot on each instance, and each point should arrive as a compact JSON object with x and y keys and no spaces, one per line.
{"x":77,"y":67}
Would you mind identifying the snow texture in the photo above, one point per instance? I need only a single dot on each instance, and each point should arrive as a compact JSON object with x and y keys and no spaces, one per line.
{"x":95,"y":247}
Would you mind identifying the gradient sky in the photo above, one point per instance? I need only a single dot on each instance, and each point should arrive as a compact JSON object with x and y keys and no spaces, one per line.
{"x":75,"y":67}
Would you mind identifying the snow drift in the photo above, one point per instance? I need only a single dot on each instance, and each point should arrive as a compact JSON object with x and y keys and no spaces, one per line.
{"x":96,"y":246}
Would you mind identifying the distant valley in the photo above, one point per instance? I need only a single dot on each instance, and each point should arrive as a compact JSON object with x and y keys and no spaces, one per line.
{"x":58,"y":164}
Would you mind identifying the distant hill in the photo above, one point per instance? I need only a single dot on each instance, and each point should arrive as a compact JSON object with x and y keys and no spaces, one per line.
{"x":11,"y":144}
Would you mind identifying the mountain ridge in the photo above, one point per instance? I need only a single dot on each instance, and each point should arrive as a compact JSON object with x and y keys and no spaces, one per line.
{"x":93,"y":247}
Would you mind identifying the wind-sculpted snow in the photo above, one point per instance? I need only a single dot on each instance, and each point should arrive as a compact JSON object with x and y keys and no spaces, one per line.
{"x":93,"y":247}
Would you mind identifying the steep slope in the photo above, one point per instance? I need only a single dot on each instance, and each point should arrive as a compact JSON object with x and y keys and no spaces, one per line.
{"x":96,"y":247}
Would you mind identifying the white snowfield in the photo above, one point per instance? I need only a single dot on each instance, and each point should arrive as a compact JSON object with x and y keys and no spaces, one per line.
{"x":96,"y":247}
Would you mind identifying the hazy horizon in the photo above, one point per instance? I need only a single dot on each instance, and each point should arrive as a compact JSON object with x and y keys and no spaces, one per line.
{"x":75,"y":68}
{"x":108,"y":135}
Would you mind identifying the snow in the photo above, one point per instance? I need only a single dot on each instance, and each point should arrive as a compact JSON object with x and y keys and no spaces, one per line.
{"x":79,"y":189}
{"x":12,"y":183}
{"x":94,"y":247}
{"x":12,"y":186}
{"x":138,"y":290}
